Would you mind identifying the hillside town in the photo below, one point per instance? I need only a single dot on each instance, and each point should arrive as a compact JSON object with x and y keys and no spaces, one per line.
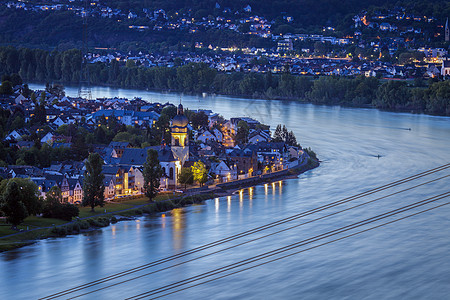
{"x":383,"y":44}
{"x":231,"y":150}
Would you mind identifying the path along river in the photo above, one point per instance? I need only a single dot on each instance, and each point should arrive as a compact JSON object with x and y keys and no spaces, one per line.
{"x":409,"y":259}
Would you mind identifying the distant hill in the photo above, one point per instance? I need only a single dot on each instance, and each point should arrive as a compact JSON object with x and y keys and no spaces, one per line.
{"x":305,"y":12}
{"x":48,"y":29}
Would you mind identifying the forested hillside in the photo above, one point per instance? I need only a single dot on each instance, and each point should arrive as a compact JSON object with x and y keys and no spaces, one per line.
{"x":50,"y":28}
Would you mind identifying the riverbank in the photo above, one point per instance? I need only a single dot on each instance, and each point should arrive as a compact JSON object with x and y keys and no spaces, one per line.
{"x":115,"y":211}
{"x":37,"y":228}
{"x":329,"y":94}
{"x":270,"y":177}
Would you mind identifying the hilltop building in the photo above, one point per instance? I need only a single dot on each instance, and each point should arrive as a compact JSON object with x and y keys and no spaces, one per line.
{"x":285,"y":45}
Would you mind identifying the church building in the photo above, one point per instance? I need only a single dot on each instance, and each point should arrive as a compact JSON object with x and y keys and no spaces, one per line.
{"x":180,"y":136}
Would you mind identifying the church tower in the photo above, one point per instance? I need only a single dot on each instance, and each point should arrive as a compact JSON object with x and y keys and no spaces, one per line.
{"x":180,"y":137}
{"x":447,"y":32}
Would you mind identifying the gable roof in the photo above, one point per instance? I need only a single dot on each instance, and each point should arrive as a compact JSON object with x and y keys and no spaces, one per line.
{"x":57,"y":178}
{"x":111,"y":170}
{"x":137,"y":156}
{"x":45,"y":184}
{"x":133,"y":156}
{"x":73,"y":182}
{"x":108,"y":179}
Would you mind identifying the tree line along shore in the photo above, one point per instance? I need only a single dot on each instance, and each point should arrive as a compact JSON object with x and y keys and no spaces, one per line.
{"x":418,"y":95}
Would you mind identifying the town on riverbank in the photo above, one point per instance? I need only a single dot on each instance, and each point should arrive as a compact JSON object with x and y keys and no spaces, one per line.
{"x":49,"y":141}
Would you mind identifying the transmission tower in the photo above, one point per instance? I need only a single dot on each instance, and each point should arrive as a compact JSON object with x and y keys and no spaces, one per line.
{"x":84,"y":90}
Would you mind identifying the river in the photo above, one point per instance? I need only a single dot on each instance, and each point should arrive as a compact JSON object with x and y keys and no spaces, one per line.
{"x":409,"y":259}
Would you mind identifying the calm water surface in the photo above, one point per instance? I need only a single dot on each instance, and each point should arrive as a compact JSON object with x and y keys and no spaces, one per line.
{"x":409,"y":259}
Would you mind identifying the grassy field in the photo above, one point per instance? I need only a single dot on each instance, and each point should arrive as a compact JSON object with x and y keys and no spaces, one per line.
{"x":108,"y":208}
{"x":22,"y":239}
{"x":34,"y":222}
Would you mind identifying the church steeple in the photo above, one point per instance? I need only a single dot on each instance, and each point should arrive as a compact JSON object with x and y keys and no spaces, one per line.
{"x":180,"y":137}
{"x":180,"y":110}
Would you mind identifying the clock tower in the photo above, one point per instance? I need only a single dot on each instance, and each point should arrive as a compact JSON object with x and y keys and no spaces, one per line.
{"x":180,"y":137}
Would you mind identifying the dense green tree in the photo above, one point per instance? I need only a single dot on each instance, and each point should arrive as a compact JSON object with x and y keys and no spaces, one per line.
{"x":16,"y":79}
{"x":93,"y":187}
{"x":12,"y":205}
{"x":199,"y":120}
{"x":6,"y":88}
{"x":170,"y":111}
{"x":278,"y":134}
{"x":186,"y":176}
{"x":242,"y":132}
{"x":28,"y":194}
{"x":283,"y":135}
{"x":291,"y":140}
{"x":152,"y":174}
{"x":26,"y":91}
{"x":200,"y":172}
{"x":18,"y":122}
{"x":392,"y":95}
{"x":53,"y":200}
{"x":130,"y":63}
{"x":54,"y":208}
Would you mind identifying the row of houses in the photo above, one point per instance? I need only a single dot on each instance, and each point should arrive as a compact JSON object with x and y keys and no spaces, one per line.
{"x":61,"y":111}
{"x":119,"y":180}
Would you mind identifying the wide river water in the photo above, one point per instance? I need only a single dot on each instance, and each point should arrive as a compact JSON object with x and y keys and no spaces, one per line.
{"x":408,"y":259}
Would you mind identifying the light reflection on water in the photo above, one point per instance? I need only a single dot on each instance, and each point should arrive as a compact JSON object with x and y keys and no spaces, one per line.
{"x":408,"y":260}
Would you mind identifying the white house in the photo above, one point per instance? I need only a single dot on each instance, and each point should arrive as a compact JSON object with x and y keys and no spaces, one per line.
{"x":206,"y":136}
{"x":19,"y":99}
{"x":58,"y":121}
{"x":110,"y":190}
{"x":294,"y":152}
{"x":77,"y":195}
{"x":47,"y":138}
{"x":223,"y":171}
{"x":138,"y":179}
{"x":256,"y":139}
{"x":72,"y":190}
{"x":257,"y":136}
{"x":14,"y":135}
{"x":445,"y":70}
